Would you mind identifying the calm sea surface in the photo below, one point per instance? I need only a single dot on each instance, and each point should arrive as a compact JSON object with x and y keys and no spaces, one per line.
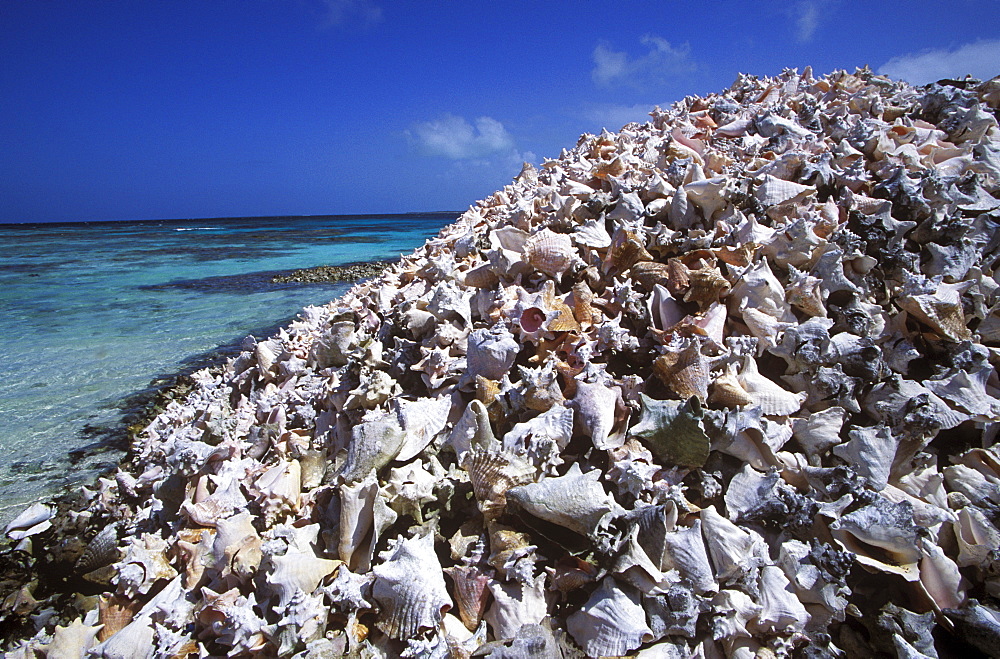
{"x":92,"y":313}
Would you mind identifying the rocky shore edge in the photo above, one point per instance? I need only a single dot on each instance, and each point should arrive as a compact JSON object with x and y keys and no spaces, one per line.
{"x":333,"y":273}
{"x":30,"y":572}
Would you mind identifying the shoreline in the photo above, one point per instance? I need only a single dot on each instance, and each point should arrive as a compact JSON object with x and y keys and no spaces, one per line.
{"x":137,"y":408}
{"x":53,"y":574}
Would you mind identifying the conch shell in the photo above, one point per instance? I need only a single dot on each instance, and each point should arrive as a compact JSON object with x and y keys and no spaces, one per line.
{"x":673,"y":431}
{"x":409,"y":588}
{"x":576,"y":501}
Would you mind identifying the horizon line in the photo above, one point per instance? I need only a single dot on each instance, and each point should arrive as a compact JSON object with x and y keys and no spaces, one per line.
{"x":225,"y":218}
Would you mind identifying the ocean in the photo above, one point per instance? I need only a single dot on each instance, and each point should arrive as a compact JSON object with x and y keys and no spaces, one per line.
{"x":96,"y":315}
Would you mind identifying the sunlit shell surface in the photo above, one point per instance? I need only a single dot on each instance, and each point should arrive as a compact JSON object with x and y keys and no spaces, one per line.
{"x":722,"y":384}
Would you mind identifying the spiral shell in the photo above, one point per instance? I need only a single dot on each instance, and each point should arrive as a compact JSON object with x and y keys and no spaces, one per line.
{"x":549,"y":252}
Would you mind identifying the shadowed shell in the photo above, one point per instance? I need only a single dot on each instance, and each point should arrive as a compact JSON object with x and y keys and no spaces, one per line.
{"x":374,"y":443}
{"x":672,"y":430}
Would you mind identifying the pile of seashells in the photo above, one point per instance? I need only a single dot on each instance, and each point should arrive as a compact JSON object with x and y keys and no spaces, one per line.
{"x":718,"y":385}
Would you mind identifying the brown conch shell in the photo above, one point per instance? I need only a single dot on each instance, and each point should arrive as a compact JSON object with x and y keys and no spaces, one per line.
{"x":726,"y":390}
{"x":471,"y":593}
{"x":492,"y":474}
{"x":685,"y":372}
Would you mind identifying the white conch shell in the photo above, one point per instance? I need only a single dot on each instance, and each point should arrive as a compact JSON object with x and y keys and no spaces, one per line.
{"x":592,"y":234}
{"x":891,"y":400}
{"x":421,"y":420}
{"x":237,"y":546}
{"x":977,"y":538}
{"x":968,"y":391}
{"x":747,"y":489}
{"x":32,"y":520}
{"x":673,"y":547}
{"x":549,"y":252}
{"x":226,"y":499}
{"x":72,"y":640}
{"x":135,"y":641}
{"x":708,"y":195}
{"x":595,"y":404}
{"x":409,"y":588}
{"x":780,"y":608}
{"x":509,"y":238}
{"x":664,"y":309}
{"x":144,"y":564}
{"x":375,"y":387}
{"x":629,"y":209}
{"x":280,"y":489}
{"x":820,"y":431}
{"x":611,"y":623}
{"x":299,"y":569}
{"x":757,"y":288}
{"x":775,"y":191}
{"x":515,"y":604}
{"x":333,"y":347}
{"x":870,"y":452}
{"x":233,"y":619}
{"x":939,"y":577}
{"x":887,"y":526}
{"x":265,"y":354}
{"x":734,"y":550}
{"x":733,"y":610}
{"x":972,"y":483}
{"x":409,"y":487}
{"x":542,"y":438}
{"x":772,"y":398}
{"x":491,"y":354}
{"x":684,"y":550}
{"x":576,"y":501}
{"x":364,"y":516}
{"x":810,"y":583}
{"x":473,"y":430}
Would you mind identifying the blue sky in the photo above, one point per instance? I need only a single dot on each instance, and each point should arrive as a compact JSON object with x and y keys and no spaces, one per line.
{"x":144,"y":109}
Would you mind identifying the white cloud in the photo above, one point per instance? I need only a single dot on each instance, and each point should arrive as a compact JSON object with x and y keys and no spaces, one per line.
{"x":339,"y":11}
{"x":980,"y":59}
{"x":806,"y":20}
{"x":806,"y":17}
{"x":660,"y":63}
{"x":454,"y":137}
{"x":614,"y":117}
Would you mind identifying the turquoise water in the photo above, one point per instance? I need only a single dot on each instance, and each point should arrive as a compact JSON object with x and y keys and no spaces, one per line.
{"x":91,"y":313}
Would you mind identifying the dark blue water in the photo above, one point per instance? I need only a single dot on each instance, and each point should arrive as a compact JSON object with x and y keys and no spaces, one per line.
{"x":91,"y":313}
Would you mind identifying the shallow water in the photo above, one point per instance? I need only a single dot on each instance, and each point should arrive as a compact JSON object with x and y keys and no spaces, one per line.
{"x":93,"y":312}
